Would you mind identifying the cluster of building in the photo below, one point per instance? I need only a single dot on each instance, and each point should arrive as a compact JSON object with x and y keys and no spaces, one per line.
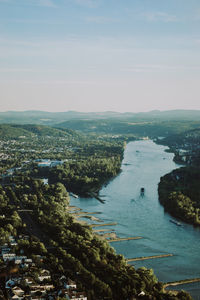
{"x":187,"y":156}
{"x":48,"y":163}
{"x":4,"y":156}
{"x":24,"y":279}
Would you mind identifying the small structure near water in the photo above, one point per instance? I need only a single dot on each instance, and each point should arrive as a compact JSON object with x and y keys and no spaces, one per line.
{"x":175,"y":222}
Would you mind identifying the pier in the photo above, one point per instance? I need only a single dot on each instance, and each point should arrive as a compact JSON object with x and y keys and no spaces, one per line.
{"x":179,"y":282}
{"x":95,"y":195}
{"x":108,"y":224}
{"x":101,"y":230}
{"x":88,"y":213}
{"x":148,"y":257}
{"x":124,"y":239}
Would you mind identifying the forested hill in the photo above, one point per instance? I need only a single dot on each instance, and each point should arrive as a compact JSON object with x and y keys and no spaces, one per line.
{"x":8,"y":131}
{"x":152,"y":124}
{"x":189,"y":137}
{"x":52,"y":118}
{"x":179,"y":192}
{"x":149,"y":128}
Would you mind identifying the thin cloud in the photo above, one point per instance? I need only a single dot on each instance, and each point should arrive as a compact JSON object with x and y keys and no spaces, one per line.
{"x":88,"y":3}
{"x":100,"y":20}
{"x":159,"y":68}
{"x":18,"y":70}
{"x":159,"y":17}
{"x":43,"y":3}
{"x":46,"y":3}
{"x":34,"y":21}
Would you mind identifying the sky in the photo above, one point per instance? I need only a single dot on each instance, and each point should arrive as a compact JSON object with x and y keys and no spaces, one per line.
{"x":99,"y":55}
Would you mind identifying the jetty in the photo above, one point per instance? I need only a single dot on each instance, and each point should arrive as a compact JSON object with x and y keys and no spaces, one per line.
{"x":107,"y":224}
{"x":25,"y":210}
{"x":179,"y":282}
{"x":148,"y":257}
{"x":88,"y":213}
{"x":102,"y":230}
{"x":124,"y":239}
{"x":95,"y":195}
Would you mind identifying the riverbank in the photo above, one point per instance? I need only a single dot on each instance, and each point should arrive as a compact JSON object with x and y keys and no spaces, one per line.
{"x":143,"y":165}
{"x":102,"y":234}
{"x":78,"y":213}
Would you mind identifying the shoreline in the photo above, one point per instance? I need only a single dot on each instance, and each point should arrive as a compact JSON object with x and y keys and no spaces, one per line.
{"x":77,"y":213}
{"x":102,"y":230}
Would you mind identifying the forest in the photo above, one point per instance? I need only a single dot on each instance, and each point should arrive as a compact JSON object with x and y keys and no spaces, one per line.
{"x":179,"y":192}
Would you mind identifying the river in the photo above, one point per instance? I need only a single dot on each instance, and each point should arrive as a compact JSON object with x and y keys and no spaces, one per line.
{"x":143,"y":164}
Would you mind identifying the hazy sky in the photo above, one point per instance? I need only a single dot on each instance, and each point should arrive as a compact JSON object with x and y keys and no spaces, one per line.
{"x":97,"y":55}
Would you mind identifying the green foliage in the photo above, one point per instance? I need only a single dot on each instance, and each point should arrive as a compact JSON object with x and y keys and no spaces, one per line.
{"x":179,"y":192}
{"x":30,"y":130}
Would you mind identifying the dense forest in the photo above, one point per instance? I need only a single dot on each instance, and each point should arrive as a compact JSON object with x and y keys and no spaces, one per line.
{"x":179,"y":192}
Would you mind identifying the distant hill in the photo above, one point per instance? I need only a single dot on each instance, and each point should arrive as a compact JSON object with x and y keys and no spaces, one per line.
{"x":8,"y":131}
{"x":52,"y":118}
{"x":151,"y":128}
{"x":29,"y":130}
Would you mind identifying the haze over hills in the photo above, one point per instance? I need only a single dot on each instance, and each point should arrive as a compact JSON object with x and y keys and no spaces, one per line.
{"x":52,"y":118}
{"x":26,"y":130}
{"x":152,"y":124}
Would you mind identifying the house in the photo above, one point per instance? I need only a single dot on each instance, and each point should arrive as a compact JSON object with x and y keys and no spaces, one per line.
{"x":16,"y":293}
{"x":8,"y":256}
{"x":76,"y":295}
{"x":45,"y":272}
{"x":28,"y":280}
{"x":5,"y":250}
{"x":20,"y":259}
{"x":12,"y":241}
{"x":55,"y":163}
{"x":28,"y":260}
{"x":44,"y":164}
{"x":41,"y":287}
{"x":71,"y":284}
{"x":44,"y":277}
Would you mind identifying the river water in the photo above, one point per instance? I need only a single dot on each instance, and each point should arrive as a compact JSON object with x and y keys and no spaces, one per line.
{"x":143,"y":164}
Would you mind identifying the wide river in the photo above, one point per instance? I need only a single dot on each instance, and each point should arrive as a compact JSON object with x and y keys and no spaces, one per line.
{"x":143,"y":164}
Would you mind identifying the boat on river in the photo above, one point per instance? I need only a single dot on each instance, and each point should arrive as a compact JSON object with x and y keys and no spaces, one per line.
{"x":74,"y":195}
{"x":142,"y":191}
{"x":175,"y":222}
